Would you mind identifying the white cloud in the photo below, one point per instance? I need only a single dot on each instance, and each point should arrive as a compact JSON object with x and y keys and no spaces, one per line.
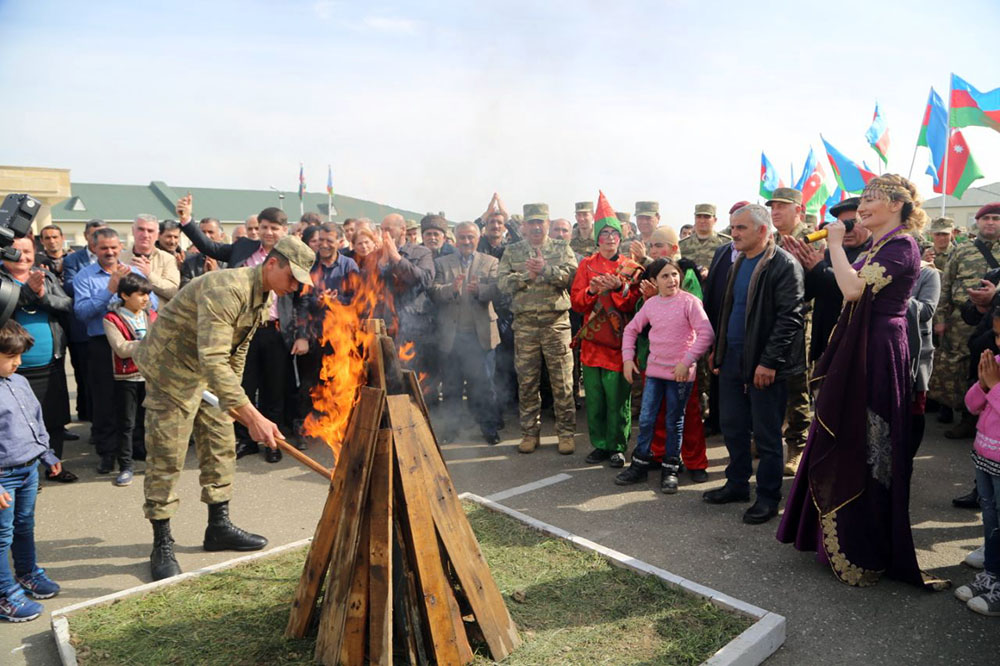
{"x":390,"y":24}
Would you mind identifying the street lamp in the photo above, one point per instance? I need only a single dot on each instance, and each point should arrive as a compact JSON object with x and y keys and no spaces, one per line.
{"x":281,"y":197}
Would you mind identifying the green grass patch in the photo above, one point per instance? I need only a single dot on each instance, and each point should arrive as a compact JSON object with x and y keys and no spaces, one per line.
{"x":570,"y":606}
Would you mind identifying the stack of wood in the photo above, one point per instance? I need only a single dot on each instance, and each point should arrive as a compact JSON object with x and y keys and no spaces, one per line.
{"x":403,"y":578}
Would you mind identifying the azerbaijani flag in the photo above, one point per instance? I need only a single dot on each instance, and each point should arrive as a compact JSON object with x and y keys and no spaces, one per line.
{"x":834,"y":199}
{"x":934,"y":131}
{"x":769,"y":179}
{"x":302,"y":182}
{"x":329,"y":179}
{"x":878,"y":135}
{"x":971,"y":107}
{"x":962,"y":169}
{"x":813,"y":184}
{"x":850,"y":177}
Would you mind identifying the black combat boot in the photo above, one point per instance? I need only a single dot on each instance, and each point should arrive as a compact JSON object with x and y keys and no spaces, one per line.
{"x":634,"y":473}
{"x":223,"y":535}
{"x":162,"y":562}
{"x":668,"y":475}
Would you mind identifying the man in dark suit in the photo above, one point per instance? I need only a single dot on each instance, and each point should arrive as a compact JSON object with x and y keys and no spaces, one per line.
{"x":268,"y":361}
{"x":79,"y":341}
{"x":465,"y":284}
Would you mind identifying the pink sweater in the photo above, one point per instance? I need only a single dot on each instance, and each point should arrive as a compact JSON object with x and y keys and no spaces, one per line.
{"x":679,"y":333}
{"x":987,"y":406}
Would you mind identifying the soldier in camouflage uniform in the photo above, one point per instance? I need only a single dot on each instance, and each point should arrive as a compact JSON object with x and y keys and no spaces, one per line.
{"x":200,"y":342}
{"x":964,"y":271}
{"x":700,"y":246}
{"x":942,"y":245}
{"x":786,"y":215}
{"x":582,"y":240}
{"x":536,"y":273}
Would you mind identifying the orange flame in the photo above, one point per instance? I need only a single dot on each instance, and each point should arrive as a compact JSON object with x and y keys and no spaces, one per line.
{"x":407,"y":352}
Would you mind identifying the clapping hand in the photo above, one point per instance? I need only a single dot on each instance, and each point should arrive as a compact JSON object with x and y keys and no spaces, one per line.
{"x":389,"y":249}
{"x":117,"y":273}
{"x":648,"y":289}
{"x":142,"y":264}
{"x":535,"y":264}
{"x":989,"y":371}
{"x":638,"y":250}
{"x":36,"y":282}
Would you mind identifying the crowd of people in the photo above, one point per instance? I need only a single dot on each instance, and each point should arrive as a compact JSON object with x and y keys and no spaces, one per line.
{"x":820,"y":360}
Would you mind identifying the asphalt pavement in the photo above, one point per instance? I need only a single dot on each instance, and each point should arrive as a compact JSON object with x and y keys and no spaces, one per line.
{"x":93,"y":540}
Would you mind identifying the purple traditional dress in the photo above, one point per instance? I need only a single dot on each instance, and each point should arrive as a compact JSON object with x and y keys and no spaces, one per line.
{"x":850,"y":501}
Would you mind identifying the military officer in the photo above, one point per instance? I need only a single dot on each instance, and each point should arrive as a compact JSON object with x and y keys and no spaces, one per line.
{"x":536,"y":273}
{"x":200,"y":342}
{"x":700,"y":246}
{"x":962,"y":278}
{"x":582,"y":240}
{"x":942,"y":245}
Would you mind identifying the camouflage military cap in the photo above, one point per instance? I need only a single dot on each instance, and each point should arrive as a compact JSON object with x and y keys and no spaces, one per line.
{"x":536,"y":211}
{"x":704,"y":209}
{"x":584,"y":206}
{"x":787,"y":195}
{"x":811,"y":220}
{"x":942,"y":225}
{"x":299,"y":255}
{"x":412,"y":224}
{"x":624,"y":218}
{"x":647,"y":208}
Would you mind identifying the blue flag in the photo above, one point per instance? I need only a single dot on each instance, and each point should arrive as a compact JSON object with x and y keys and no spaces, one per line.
{"x":934,"y":132}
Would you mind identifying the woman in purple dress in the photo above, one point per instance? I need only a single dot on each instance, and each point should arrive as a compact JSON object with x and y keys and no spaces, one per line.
{"x":850,"y":499}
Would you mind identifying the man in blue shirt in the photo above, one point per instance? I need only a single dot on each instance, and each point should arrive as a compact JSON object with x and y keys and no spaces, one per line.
{"x":78,"y":340}
{"x":94,"y":287}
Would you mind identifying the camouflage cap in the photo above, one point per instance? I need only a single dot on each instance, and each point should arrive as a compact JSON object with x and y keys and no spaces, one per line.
{"x":704,"y":209}
{"x":624,"y":218}
{"x":787,"y":195}
{"x":811,"y":220}
{"x":647,"y":208}
{"x":412,"y":224}
{"x":584,"y":206}
{"x":942,"y":225}
{"x":299,"y":255}
{"x":536,"y":211}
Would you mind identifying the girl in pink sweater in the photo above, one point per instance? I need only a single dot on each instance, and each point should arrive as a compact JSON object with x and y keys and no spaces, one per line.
{"x":679,"y":334}
{"x":982,"y":595}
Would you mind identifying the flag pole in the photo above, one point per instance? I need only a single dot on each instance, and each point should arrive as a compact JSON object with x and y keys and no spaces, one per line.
{"x":947,"y":150}
{"x":909,"y":176}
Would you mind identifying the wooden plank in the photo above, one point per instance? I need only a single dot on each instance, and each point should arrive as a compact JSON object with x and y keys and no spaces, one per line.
{"x":464,"y":649}
{"x":352,"y":650}
{"x":423,"y":545}
{"x":358,"y":445}
{"x":453,"y":527}
{"x":409,"y":621}
{"x":413,"y":382}
{"x":380,"y":509}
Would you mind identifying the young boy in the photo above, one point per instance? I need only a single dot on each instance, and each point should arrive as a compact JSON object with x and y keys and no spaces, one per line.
{"x":23,"y":442}
{"x":125,"y":326}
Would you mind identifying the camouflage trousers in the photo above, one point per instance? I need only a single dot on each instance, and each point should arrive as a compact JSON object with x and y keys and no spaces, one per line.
{"x":950,"y":379}
{"x":168,"y":430}
{"x":539,"y":335}
{"x":798,"y":412}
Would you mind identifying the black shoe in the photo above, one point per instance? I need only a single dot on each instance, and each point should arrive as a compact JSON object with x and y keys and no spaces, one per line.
{"x":70,"y":436}
{"x":299,"y":442}
{"x":616,"y":461}
{"x":221,"y":534}
{"x":162,"y":562}
{"x":492,"y":438}
{"x":246,"y":449}
{"x":634,"y":473}
{"x":597,"y":456}
{"x":725,"y":495}
{"x":945,"y":415}
{"x":272,"y":455}
{"x":699,"y":475}
{"x":969,"y":500}
{"x":759,"y":513}
{"x":668,"y":476}
{"x":106,"y":466}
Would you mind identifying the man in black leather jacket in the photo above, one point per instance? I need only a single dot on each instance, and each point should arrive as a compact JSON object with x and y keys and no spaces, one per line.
{"x":760,"y":342}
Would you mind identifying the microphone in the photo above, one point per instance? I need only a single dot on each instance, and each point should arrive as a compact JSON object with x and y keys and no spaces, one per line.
{"x":823,"y":233}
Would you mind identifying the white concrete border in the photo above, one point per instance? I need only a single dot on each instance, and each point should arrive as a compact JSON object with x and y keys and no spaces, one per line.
{"x":60,"y":622}
{"x":750,"y":648}
{"x":528,"y":487}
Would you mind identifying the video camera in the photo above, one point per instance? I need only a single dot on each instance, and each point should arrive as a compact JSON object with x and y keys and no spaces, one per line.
{"x":16,"y":215}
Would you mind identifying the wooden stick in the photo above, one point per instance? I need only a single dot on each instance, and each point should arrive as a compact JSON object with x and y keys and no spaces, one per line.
{"x":294,"y":452}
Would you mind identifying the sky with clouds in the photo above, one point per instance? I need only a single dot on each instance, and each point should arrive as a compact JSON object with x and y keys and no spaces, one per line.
{"x":435,"y":105}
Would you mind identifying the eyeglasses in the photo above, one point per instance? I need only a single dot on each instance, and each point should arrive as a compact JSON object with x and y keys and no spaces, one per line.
{"x":607,"y":232}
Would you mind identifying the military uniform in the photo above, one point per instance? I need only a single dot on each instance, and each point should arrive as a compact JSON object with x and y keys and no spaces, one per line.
{"x":583,"y":243}
{"x":701,"y":250}
{"x":541,"y":327}
{"x":964,"y":270}
{"x":942,"y":225}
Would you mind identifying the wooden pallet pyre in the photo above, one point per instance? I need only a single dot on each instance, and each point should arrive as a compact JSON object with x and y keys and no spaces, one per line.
{"x":403,"y":577}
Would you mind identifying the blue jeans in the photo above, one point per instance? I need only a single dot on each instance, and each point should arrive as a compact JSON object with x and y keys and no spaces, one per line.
{"x":17,"y":524}
{"x":989,"y":499}
{"x":653,"y":394}
{"x":744,"y":411}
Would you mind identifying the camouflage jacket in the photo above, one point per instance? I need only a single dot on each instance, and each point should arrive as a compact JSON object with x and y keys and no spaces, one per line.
{"x":201,"y":336}
{"x":584,"y":245}
{"x":965,"y":268}
{"x":701,"y":250}
{"x":800,"y":231}
{"x":549,"y":291}
{"x":941,"y":258}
